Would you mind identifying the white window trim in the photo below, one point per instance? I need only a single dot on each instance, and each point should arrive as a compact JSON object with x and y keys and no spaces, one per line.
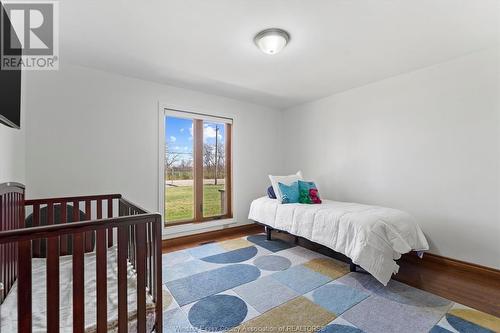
{"x":195,"y":115}
{"x":175,"y":110}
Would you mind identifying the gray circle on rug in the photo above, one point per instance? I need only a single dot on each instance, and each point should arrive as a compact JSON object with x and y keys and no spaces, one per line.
{"x":272,"y":263}
{"x":218,"y":313}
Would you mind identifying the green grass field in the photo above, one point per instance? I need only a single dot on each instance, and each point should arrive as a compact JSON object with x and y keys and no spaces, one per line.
{"x":179,"y":202}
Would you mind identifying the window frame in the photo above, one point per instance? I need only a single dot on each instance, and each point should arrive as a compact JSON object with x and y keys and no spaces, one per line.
{"x":198,"y":117}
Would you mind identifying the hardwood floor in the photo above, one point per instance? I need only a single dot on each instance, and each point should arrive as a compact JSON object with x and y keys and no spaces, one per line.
{"x":180,"y":243}
{"x":465,"y":283}
{"x":468,"y":284}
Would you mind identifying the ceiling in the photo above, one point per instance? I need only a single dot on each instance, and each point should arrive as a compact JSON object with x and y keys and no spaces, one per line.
{"x":335,"y":45}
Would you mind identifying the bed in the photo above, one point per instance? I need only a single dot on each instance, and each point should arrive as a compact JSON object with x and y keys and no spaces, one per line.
{"x":78,"y":264}
{"x":372,"y":237}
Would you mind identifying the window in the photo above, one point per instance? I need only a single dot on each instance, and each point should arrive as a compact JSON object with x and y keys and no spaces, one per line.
{"x":197,"y":168}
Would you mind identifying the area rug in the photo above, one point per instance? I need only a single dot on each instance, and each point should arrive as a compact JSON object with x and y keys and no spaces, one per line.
{"x":254,"y":285}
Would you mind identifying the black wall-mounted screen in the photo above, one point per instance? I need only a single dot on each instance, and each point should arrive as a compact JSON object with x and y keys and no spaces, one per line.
{"x":10,"y":89}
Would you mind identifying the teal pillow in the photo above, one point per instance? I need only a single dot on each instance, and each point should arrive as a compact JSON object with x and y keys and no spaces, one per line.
{"x":289,"y":193}
{"x":308,"y":193}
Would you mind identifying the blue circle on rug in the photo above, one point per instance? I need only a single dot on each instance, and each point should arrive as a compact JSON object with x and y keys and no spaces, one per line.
{"x":336,"y":328}
{"x":218,"y":313}
{"x":234,"y":256}
{"x":272,"y":263}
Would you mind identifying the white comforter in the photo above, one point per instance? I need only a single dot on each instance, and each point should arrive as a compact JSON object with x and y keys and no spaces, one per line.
{"x":373,"y":237}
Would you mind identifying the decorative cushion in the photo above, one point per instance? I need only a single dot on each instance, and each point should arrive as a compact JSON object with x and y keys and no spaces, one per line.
{"x":286,"y":180}
{"x":289,"y":193}
{"x":270,"y":193}
{"x":308,"y":193}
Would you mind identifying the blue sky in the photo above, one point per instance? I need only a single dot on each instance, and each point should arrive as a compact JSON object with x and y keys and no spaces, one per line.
{"x":179,"y":135}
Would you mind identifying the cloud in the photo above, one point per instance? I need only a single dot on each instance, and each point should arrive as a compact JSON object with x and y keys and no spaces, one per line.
{"x":209,"y":133}
{"x":173,"y":138}
{"x":181,"y":130}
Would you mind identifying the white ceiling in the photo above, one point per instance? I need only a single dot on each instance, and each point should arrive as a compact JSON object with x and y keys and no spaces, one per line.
{"x":335,"y":44}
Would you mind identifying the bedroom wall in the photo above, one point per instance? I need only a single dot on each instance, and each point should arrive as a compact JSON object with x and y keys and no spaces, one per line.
{"x":427,"y":142}
{"x":13,"y":155}
{"x":94,"y":132}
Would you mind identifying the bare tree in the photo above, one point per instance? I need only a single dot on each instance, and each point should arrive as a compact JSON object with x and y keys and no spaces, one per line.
{"x":170,"y":159}
{"x":208,"y":157}
{"x":185,"y":164}
{"x":220,"y":159}
{"x":213,"y":160}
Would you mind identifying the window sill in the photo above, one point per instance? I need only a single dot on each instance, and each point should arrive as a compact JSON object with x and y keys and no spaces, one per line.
{"x":191,"y":228}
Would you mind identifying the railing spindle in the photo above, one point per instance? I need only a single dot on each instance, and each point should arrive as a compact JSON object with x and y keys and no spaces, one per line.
{"x":78,"y":282}
{"x":122,"y":280}
{"x":141,"y":278}
{"x":158,"y":290}
{"x":110,"y":215}
{"x":134,"y":246}
{"x":52,"y":276}
{"x":64,"y":219}
{"x":36,"y":223}
{"x":99,"y":209}
{"x":24,"y":299}
{"x":101,"y":273}
{"x":76,"y":211}
{"x":149,"y":255}
{"x":15,"y":221}
{"x":88,"y":235}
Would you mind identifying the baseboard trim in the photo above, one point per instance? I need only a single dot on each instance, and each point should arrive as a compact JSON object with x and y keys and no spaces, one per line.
{"x":456,"y":264}
{"x":177,"y":243}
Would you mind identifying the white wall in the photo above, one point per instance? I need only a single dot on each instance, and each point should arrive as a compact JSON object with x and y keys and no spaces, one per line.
{"x":427,"y":142}
{"x":12,"y":155}
{"x":94,"y":132}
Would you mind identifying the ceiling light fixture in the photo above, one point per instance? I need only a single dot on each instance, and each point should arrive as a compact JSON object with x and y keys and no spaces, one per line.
{"x":272,"y":41}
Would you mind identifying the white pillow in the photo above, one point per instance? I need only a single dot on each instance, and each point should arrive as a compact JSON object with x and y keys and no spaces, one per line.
{"x":287,"y":180}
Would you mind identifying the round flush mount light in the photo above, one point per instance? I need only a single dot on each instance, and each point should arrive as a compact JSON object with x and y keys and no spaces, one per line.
{"x":272,"y":41}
